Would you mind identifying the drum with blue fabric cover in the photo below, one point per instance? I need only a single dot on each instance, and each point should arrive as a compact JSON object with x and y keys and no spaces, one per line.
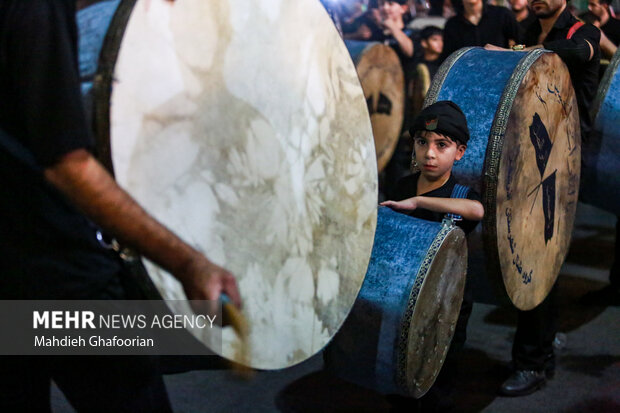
{"x":601,"y":154}
{"x":241,"y":125}
{"x":383,"y":81}
{"x":399,"y":330}
{"x":523,"y":156}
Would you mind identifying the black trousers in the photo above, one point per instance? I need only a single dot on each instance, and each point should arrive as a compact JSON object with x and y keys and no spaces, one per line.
{"x":532,"y":348}
{"x":90,"y":383}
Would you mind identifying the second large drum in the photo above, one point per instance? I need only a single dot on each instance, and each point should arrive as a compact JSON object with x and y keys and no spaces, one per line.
{"x":383,"y":82}
{"x":524,"y":155}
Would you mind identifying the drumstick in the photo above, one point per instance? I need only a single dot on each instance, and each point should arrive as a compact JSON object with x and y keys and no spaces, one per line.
{"x":239,"y":323}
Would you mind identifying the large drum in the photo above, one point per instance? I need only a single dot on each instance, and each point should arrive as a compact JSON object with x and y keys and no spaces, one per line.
{"x":524,"y":157}
{"x":399,"y":331}
{"x":383,"y":82}
{"x":601,"y":155}
{"x":242,"y":127}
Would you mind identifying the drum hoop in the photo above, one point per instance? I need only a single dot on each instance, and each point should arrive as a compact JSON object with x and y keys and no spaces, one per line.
{"x":102,"y":94}
{"x":104,"y":77}
{"x":401,"y":354}
{"x":494,"y":152}
{"x":604,"y":86}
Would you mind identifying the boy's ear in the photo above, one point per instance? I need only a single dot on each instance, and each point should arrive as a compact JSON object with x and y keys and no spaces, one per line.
{"x":460,"y":151}
{"x":424,"y":43}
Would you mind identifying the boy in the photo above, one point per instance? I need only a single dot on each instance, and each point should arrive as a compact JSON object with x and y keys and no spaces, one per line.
{"x":431,"y":40}
{"x":440,"y":136}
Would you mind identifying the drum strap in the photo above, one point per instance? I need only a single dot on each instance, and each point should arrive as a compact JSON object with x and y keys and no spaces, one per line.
{"x":19,"y":152}
{"x":459,"y":191}
{"x":573,"y":29}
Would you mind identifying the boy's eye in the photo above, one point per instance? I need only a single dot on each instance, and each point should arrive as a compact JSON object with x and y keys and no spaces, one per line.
{"x":442,"y":144}
{"x":421,"y":141}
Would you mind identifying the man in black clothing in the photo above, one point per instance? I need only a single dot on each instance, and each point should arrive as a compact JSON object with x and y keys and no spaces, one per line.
{"x":577,"y":45}
{"x":609,"y":25}
{"x":57,"y":200}
{"x":522,"y":13}
{"x":478,"y":24}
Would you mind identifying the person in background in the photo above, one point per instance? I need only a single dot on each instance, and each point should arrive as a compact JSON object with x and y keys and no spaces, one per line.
{"x":431,"y":40}
{"x":608,"y":49}
{"x":478,"y":24}
{"x":608,"y":24}
{"x":522,"y":13}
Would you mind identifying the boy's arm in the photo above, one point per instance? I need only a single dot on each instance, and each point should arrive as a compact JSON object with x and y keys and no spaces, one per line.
{"x":467,"y":208}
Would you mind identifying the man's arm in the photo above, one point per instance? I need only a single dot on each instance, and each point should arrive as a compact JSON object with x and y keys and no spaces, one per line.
{"x":467,"y":208}
{"x":404,"y":42}
{"x":579,"y":48}
{"x":80,"y":177}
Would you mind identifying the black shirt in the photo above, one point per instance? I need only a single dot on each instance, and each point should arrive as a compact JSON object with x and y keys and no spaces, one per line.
{"x":612,"y":30}
{"x":407,"y":187}
{"x":575,"y":53}
{"x":49,"y":249}
{"x":496,"y":26}
{"x":432,"y":65}
{"x":525,"y":23}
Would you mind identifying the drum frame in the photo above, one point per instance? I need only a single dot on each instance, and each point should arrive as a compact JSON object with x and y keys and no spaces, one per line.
{"x":102,"y":84}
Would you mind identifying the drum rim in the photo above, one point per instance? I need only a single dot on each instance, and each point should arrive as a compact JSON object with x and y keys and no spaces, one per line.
{"x":102,"y":93}
{"x":604,"y":85}
{"x":494,"y":152}
{"x":405,"y":324}
{"x":104,"y":77}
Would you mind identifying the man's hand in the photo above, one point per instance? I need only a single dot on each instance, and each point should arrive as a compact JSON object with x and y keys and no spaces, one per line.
{"x":489,"y":46}
{"x":409,"y":204}
{"x":203,"y":280}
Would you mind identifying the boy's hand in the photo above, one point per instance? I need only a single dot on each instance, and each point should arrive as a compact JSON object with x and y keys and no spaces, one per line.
{"x":409,"y":204}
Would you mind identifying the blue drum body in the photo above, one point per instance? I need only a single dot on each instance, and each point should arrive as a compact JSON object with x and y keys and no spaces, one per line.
{"x":93,"y":23}
{"x":399,"y":330}
{"x":523,"y":157}
{"x":601,"y":155}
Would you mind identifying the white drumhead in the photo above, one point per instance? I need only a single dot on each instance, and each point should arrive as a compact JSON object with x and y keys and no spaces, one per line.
{"x":242,"y":126}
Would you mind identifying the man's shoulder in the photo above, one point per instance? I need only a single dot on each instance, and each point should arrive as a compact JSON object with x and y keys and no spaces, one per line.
{"x":37,"y":13}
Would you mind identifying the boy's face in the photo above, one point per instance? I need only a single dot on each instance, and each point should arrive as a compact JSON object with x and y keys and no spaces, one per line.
{"x":435,"y":154}
{"x":433,"y":44}
{"x":392,"y":10}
